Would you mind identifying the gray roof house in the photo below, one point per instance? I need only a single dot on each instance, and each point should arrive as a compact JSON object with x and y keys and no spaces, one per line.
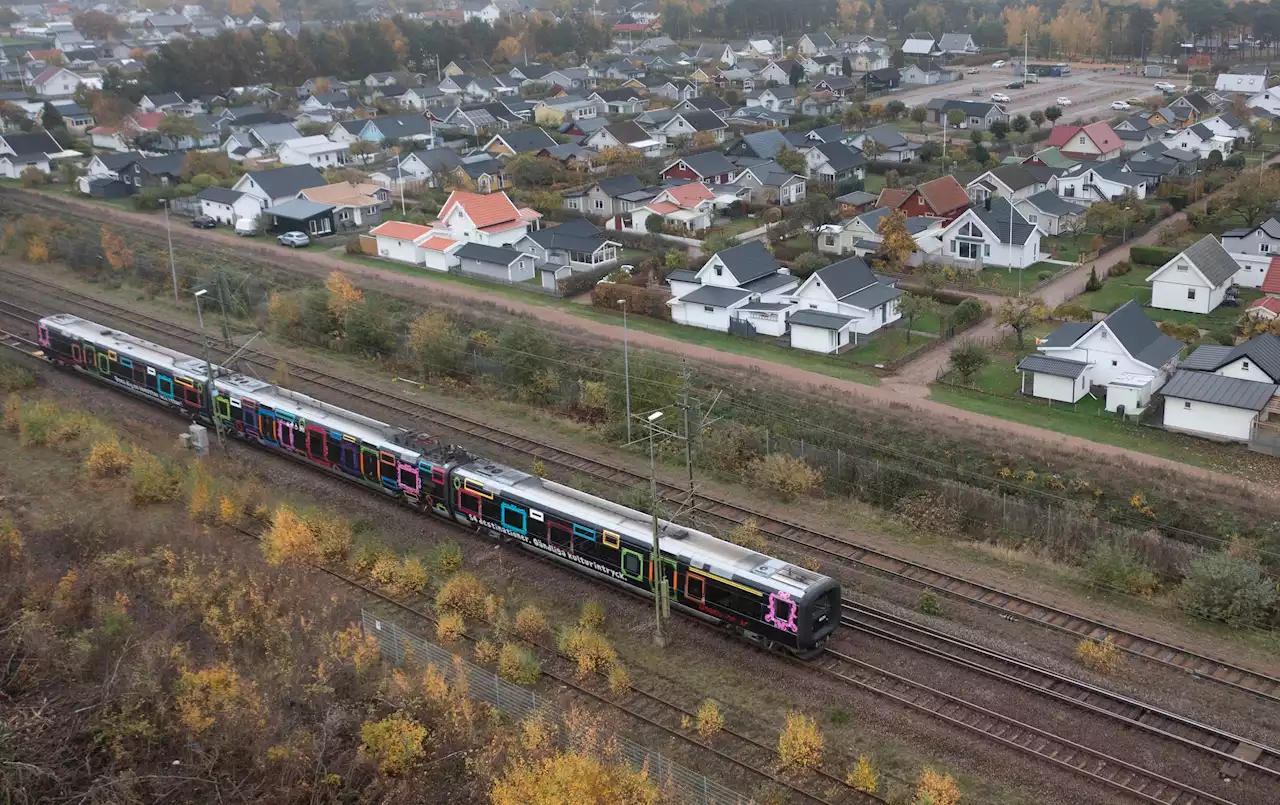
{"x":761,"y":144}
{"x":1050,"y":213}
{"x":838,"y":303}
{"x":738,"y":290}
{"x":1226,"y":393}
{"x":279,"y":185}
{"x":1196,"y":280}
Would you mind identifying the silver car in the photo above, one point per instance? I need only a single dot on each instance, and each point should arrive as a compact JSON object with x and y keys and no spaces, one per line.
{"x":294,"y":239}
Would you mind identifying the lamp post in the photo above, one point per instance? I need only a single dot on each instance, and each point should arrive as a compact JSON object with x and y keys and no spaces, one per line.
{"x":208,"y":365}
{"x":1124,"y":225}
{"x":659,"y":581}
{"x":173,"y":269}
{"x":626,"y":364}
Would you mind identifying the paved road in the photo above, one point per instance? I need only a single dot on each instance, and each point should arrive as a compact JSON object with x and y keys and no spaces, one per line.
{"x":904,"y":392}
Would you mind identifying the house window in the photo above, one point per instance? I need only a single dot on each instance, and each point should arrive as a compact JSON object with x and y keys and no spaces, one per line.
{"x":1033,"y":219}
{"x":599,"y":204}
{"x":1264,"y":247}
{"x":719,"y":271}
{"x":1191,"y":293}
{"x":708,"y":309}
{"x":830,"y":240}
{"x":1244,"y":366}
{"x":969,"y":251}
{"x":1182,"y":268}
{"x":1115,"y":363}
{"x":1186,"y":406}
{"x":986,"y":250}
{"x":1080,"y":140}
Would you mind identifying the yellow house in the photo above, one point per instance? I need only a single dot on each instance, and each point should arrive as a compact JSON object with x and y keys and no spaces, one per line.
{"x":549,"y":115}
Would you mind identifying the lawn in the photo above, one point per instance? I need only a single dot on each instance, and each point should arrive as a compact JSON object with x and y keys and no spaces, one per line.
{"x":842,"y":367}
{"x":736,"y":226}
{"x":1116,"y":291}
{"x":887,"y":345}
{"x":1003,"y":280}
{"x":1070,"y":247}
{"x":874,"y":183}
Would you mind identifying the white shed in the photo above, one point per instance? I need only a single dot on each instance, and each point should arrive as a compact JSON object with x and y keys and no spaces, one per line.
{"x":1214,"y":406}
{"x":1196,"y":280}
{"x":1056,"y":379}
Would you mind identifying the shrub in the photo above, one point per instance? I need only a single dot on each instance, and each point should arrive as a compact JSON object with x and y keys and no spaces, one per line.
{"x":936,"y":788}
{"x":107,"y":457}
{"x":970,"y":310}
{"x":1115,"y":567}
{"x":446,"y":558}
{"x":288,"y":539}
{"x":411,"y":577}
{"x":394,"y":743}
{"x":1044,"y":275}
{"x":1120,"y":269}
{"x":863,"y":777}
{"x":967,"y":359}
{"x":151,"y":479}
{"x":1072,"y":311}
{"x":709,"y":719}
{"x":462,"y":594}
{"x":12,"y":417}
{"x":33,"y":177}
{"x":589,"y":649}
{"x":531,"y":623}
{"x":450,"y":628}
{"x":519,"y":665}
{"x":1102,"y":656}
{"x":801,"y":742}
{"x":807,"y":263}
{"x":1093,"y":283}
{"x":1226,"y":588}
{"x":11,"y":543}
{"x":748,"y":535}
{"x":619,"y":680}
{"x":15,"y":378}
{"x":928,"y":603}
{"x":592,"y":616}
{"x":367,"y":555}
{"x":787,"y":476}
{"x":1151,"y":255}
{"x":487,"y":651}
{"x":930,"y":512}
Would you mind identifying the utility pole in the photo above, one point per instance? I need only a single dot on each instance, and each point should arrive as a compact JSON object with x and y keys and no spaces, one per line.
{"x":173,"y":269}
{"x":222,"y":302}
{"x":683,"y":403}
{"x":210,"y":388}
{"x":661,"y":607}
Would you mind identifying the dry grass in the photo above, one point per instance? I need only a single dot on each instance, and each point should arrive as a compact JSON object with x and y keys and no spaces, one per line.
{"x":1102,"y":656}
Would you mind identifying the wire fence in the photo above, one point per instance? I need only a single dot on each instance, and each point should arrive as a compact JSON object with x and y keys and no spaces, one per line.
{"x":401,"y":646}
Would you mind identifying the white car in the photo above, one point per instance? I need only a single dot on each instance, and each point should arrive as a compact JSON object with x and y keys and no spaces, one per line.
{"x":1165,"y":86}
{"x":998,"y":63}
{"x":999,"y":97}
{"x":1063,"y":101}
{"x":1121,"y":105}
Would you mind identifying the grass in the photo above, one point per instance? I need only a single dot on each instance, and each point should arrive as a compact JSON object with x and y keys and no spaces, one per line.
{"x":1070,"y":247}
{"x":874,"y":183}
{"x":1116,"y":291}
{"x":737,"y":226}
{"x":887,"y":345}
{"x":1004,"y":280}
{"x":842,"y":367}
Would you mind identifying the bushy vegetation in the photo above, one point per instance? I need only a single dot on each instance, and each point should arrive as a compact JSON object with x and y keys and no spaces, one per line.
{"x":1119,"y":569}
{"x":801,"y":743}
{"x":1228,"y":588}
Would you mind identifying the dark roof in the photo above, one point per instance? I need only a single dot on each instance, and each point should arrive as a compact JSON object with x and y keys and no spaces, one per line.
{"x":287,"y":181}
{"x":395,"y":126}
{"x":170,"y":164}
{"x":487,"y":254}
{"x":1015,"y":177}
{"x":299,"y":209}
{"x":1046,"y":365}
{"x":873,"y":297}
{"x":620,"y":185}
{"x":826,"y":134}
{"x":820,"y":319}
{"x":766,"y":144}
{"x":1213,"y":261}
{"x":708,"y":103}
{"x":615,"y":95}
{"x":857,"y":198}
{"x":437,"y":159}
{"x":703,"y":121}
{"x":970,"y":108}
{"x":769,"y":282}
{"x":887,"y":136}
{"x":1206,"y":357}
{"x":524,"y":141}
{"x":682,"y":275}
{"x":1263,"y":350}
{"x":1140,"y":335}
{"x":748,"y":261}
{"x":578,"y":235}
{"x":715,"y":296}
{"x":628,"y":132}
{"x":115,"y":162}
{"x":1269,"y":227}
{"x":220,"y":195}
{"x":36,"y":142}
{"x":1051,"y":203}
{"x":846,"y":277}
{"x":1067,"y":334}
{"x":997,"y":220}
{"x":1227,"y":391}
{"x":840,"y":156}
{"x":708,"y":163}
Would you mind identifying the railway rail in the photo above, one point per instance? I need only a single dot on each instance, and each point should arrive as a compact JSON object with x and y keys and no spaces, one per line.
{"x":704,"y":505}
{"x":1115,"y":773}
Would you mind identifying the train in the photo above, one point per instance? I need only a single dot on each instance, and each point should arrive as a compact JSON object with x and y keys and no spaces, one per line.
{"x":763,"y":599}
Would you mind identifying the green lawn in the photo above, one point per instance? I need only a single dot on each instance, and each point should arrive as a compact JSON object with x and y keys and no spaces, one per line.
{"x":887,"y":345}
{"x":737,"y":226}
{"x":1118,"y":290}
{"x":1004,"y":280}
{"x":842,"y":367}
{"x":874,"y":183}
{"x":1070,"y":247}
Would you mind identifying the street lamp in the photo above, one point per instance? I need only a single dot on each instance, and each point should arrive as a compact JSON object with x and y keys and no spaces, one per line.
{"x":660,"y":585}
{"x":626,"y":363}
{"x":1124,"y":225}
{"x":173,"y":269}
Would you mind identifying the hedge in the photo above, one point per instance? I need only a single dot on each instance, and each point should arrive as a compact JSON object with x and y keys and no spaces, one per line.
{"x":1151,"y":255}
{"x":644,"y":301}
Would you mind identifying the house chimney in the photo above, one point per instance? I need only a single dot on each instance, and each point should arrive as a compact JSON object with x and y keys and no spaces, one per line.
{"x":987,"y":203}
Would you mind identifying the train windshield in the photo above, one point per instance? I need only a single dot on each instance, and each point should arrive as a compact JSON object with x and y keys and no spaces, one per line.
{"x":824,"y":621}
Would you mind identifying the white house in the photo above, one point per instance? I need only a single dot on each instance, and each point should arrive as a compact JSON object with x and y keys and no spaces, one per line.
{"x":815,"y":43}
{"x":1226,"y":125}
{"x":317,"y":150}
{"x":489,"y":220}
{"x":743,"y":284}
{"x":278,"y":185}
{"x":1240,"y":82}
{"x":920,"y":44}
{"x":480,"y":10}
{"x":1253,"y":249}
{"x":416,"y":245}
{"x":1125,"y":352}
{"x":1050,"y":213}
{"x":1196,"y":281}
{"x":56,"y":82}
{"x":1200,"y":140}
{"x":686,"y":208}
{"x":1222,"y":392}
{"x":993,"y":234}
{"x":227,"y":206}
{"x":1089,"y":182}
{"x":839,"y":302}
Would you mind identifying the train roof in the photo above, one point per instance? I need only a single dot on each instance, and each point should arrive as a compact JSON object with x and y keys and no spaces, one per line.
{"x":698,"y":548}
{"x":301,"y":406}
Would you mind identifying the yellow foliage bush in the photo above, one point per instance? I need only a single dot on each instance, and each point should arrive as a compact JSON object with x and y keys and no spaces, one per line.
{"x":589,"y":649}
{"x":531,"y":623}
{"x":12,"y":417}
{"x":1103,"y":656}
{"x":450,"y":628}
{"x":863,"y":776}
{"x":352,"y":645}
{"x":592,"y":617}
{"x":519,"y":665}
{"x":289,"y":539}
{"x":487,"y":651}
{"x":411,"y":577}
{"x":936,"y":788}
{"x":619,"y":680}
{"x":462,"y":594}
{"x":785,"y":475}
{"x":152,"y":479}
{"x":394,"y":743}
{"x":228,"y":510}
{"x":709,"y":719}
{"x":801,"y":742}
{"x":572,"y":777}
{"x":200,"y":500}
{"x":11,"y":543}
{"x":215,"y":695}
{"x":748,"y":535}
{"x":107,"y":457}
{"x":385,"y":570}
{"x":332,"y":533}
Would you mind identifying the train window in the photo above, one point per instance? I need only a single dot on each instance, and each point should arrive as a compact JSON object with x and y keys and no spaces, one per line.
{"x":140,"y":374}
{"x":559,"y":534}
{"x":164,"y":385}
{"x":250,"y":416}
{"x":718,"y":594}
{"x":334,"y":451}
{"x":694,"y":585}
{"x":821,"y":611}
{"x":191,"y":395}
{"x":104,"y":364}
{"x":267,"y":426}
{"x":490,"y":510}
{"x":388,"y":462}
{"x":632,"y":564}
{"x":611,"y":539}
{"x":409,"y":478}
{"x":468,"y":502}
{"x":369,"y":464}
{"x":222,"y":407}
{"x":584,"y":533}
{"x":782,"y":611}
{"x":315,"y":443}
{"x":437,"y":476}
{"x":514,"y":518}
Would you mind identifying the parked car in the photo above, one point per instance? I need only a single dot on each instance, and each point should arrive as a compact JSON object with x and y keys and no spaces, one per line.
{"x":1165,"y":86}
{"x":998,"y":63}
{"x":1014,"y":85}
{"x":294,"y":239}
{"x":1123,"y":106}
{"x":971,"y":71}
{"x":203,"y":222}
{"x":999,"y":97}
{"x":1063,"y":101}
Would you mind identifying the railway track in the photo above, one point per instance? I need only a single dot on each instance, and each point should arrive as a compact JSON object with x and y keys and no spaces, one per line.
{"x":1115,"y":773}
{"x":723,"y":512}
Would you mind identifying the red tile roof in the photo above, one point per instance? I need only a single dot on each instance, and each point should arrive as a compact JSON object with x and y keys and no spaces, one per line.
{"x":483,"y":210}
{"x":892,"y":197}
{"x":1101,"y":133}
{"x":1271,"y":282}
{"x":944,"y":194}
{"x":1268,"y":303}
{"x":438,"y":243}
{"x":663,"y":207}
{"x":148,"y":121}
{"x":400,"y":230}
{"x":689,"y":195}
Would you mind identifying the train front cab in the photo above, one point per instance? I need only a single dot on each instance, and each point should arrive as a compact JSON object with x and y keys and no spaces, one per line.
{"x":819,"y":616}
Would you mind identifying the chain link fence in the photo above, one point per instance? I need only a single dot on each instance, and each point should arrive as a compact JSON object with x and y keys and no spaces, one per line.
{"x":399,"y":646}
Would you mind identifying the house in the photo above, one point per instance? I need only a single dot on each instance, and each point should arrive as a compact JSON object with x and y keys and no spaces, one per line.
{"x":430,"y":166}
{"x":1253,"y":248}
{"x":838,"y":303}
{"x":957,"y":44}
{"x":108,"y":166}
{"x":976,"y":114}
{"x":1242,"y":83}
{"x":1089,"y":182}
{"x":622,"y":101}
{"x":519,"y":141}
{"x":1050,"y":213}
{"x":992,"y":234}
{"x":1125,"y":352}
{"x":568,"y":79}
{"x":278,"y":185}
{"x":1096,"y":141}
{"x":1197,"y":105}
{"x":1226,"y":125}
{"x":480,"y":10}
{"x":775,"y":99}
{"x":355,"y":204}
{"x":418,"y":99}
{"x":299,"y":215}
{"x":56,"y":82}
{"x":1135,"y":133}
{"x":674,"y":90}
{"x":711,"y":167}
{"x":694,"y":125}
{"x":860,"y":234}
{"x":604,"y":199}
{"x":491,"y":88}
{"x":1223,"y":392}
{"x":685,"y":209}
{"x":1268,"y":100}
{"x":922,"y":74}
{"x":835,"y":162}
{"x":885,"y":144}
{"x":415,"y":244}
{"x":920,"y":44}
{"x":495,"y":263}
{"x":760,"y":145}
{"x":708,"y":103}
{"x":815,"y":43}
{"x":34,"y":149}
{"x":485,"y":219}
{"x":556,"y":111}
{"x":859,"y":201}
{"x":1196,"y":280}
{"x":822,"y":104}
{"x":577,"y":245}
{"x":162,"y":102}
{"x":482,"y":172}
{"x":317,"y":150}
{"x":227,"y":206}
{"x":759,"y":117}
{"x":742,"y":285}
{"x":779,"y":72}
{"x":628,"y":135}
{"x":770,"y":183}
{"x":403,"y":129}
{"x":943,"y":198}
{"x":1200,"y":140}
{"x":716,"y":52}
{"x":161,"y":171}
{"x":1013,"y":181}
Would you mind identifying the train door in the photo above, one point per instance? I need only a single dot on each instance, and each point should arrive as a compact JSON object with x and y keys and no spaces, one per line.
{"x":669,"y":575}
{"x":347,"y":453}
{"x":410,"y":480}
{"x":164,"y":385}
{"x":387,"y":465}
{"x":42,"y":335}
{"x":316,"y":444}
{"x":90,"y":357}
{"x":285,"y":430}
{"x":369,"y":464}
{"x":222,"y":408}
{"x":77,"y":353}
{"x":267,"y":425}
{"x":104,"y":363}
{"x":249,"y":418}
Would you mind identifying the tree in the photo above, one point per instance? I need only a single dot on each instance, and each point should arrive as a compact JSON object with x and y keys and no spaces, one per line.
{"x":791,"y":160}
{"x":51,"y":119}
{"x":1020,"y":313}
{"x":508,"y":49}
{"x":796,"y":76}
{"x":572,"y":777}
{"x":655,"y":224}
{"x":955,"y":117}
{"x":531,"y":170}
{"x":1052,"y":114}
{"x":999,"y":129}
{"x":968,"y":358}
{"x":852,"y":117}
{"x":1037,"y":117}
{"x":846,"y":67}
{"x":1253,"y":198}
{"x":1021,"y":124}
{"x":919,"y":115}
{"x":978,"y":154}
{"x":914,"y":306}
{"x":343,"y":297}
{"x":177,"y":127}
{"x":896,"y":243}
{"x":895,"y":109}
{"x":98,"y":25}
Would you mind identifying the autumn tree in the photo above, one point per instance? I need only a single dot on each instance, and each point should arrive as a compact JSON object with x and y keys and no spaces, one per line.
{"x":967,"y":359}
{"x":1052,"y":113}
{"x":1020,"y":313}
{"x":1253,"y":197}
{"x":1020,"y":20}
{"x":565,"y":777}
{"x":508,"y":49}
{"x":791,"y":160}
{"x":114,"y":251}
{"x":178,"y":127}
{"x":919,"y":114}
{"x":98,"y":25}
{"x":896,"y":243}
{"x":936,"y":788}
{"x":915,"y":306}
{"x":1037,"y":117}
{"x":343,"y":297}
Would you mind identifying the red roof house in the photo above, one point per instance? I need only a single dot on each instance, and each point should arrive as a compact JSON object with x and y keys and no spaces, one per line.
{"x":1096,"y":141}
{"x":943,"y":197}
